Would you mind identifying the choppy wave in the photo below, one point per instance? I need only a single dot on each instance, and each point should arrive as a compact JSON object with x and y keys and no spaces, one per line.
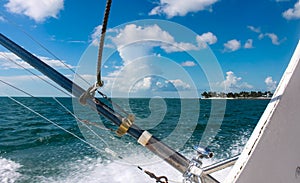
{"x":32,"y":150}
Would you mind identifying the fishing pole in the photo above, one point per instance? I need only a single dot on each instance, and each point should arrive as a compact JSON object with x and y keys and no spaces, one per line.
{"x":145,"y":138}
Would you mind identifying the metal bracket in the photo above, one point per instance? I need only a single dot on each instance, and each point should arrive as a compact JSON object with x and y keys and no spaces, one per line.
{"x":90,"y":92}
{"x":125,"y":125}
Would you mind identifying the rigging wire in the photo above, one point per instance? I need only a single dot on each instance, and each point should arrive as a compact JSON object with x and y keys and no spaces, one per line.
{"x":42,"y":46}
{"x":99,"y":84}
{"x":101,"y":44}
{"x":84,"y":122}
{"x":99,"y":92}
{"x":4,"y":55}
{"x":66,"y":110}
{"x":38,"y":76}
{"x":102,"y":94}
{"x":55,"y":124}
{"x":161,"y":179}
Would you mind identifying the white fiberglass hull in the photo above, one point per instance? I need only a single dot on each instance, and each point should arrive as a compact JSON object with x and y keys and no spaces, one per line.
{"x":272,"y":153}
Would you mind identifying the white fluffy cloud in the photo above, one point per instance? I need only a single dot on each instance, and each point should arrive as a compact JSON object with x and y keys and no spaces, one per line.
{"x":271,"y":85}
{"x":234,"y":83}
{"x":248,"y":44}
{"x":149,"y":37}
{"x":154,"y":84}
{"x":152,"y":36}
{"x":37,"y":10}
{"x":173,"y":8}
{"x":188,"y":64}
{"x":232,"y":45}
{"x":206,"y":38}
{"x":135,"y":44}
{"x":7,"y":60}
{"x":6,"y":63}
{"x":180,"y":85}
{"x":292,"y":13}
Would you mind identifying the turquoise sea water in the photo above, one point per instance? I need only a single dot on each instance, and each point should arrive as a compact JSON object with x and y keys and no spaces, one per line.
{"x":34,"y":150}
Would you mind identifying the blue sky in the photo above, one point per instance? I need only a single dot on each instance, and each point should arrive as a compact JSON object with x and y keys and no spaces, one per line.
{"x":224,"y":45}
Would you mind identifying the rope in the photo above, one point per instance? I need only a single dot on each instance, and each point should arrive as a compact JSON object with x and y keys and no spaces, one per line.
{"x":101,"y":44}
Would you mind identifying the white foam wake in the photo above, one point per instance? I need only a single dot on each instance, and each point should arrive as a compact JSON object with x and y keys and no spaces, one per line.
{"x":95,"y":171}
{"x":9,"y":171}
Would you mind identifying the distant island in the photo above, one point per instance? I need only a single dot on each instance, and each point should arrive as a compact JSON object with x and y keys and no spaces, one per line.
{"x":240,"y":95}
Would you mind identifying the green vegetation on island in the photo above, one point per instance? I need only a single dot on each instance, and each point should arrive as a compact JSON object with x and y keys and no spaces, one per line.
{"x":240,"y":95}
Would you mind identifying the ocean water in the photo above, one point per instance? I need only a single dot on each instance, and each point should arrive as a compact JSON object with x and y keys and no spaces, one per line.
{"x":32,"y":149}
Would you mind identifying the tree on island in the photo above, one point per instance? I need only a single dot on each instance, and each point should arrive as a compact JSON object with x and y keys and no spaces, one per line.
{"x":242,"y":94}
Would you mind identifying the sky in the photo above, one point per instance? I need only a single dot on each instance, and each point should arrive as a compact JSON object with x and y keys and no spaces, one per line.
{"x":163,"y":48}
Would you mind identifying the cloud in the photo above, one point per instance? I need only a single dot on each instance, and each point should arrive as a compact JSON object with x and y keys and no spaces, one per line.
{"x":144,"y":84}
{"x":180,"y":85}
{"x":155,"y":84}
{"x":248,"y":44}
{"x":232,"y":45}
{"x":271,"y":85}
{"x":133,"y":33}
{"x":153,"y":36}
{"x":254,"y":29}
{"x":58,"y":64}
{"x":6,"y":63}
{"x":292,"y":13}
{"x":208,"y":38}
{"x":38,"y":10}
{"x":32,"y":84}
{"x":188,"y":64}
{"x":77,"y":41}
{"x":233,"y":83}
{"x":274,"y":38}
{"x":173,"y":8}
{"x":2,"y":19}
{"x":8,"y":60}
{"x":137,"y":48}
{"x":96,"y":35}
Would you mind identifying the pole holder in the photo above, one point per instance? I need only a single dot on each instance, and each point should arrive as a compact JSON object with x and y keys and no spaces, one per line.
{"x":125,"y":125}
